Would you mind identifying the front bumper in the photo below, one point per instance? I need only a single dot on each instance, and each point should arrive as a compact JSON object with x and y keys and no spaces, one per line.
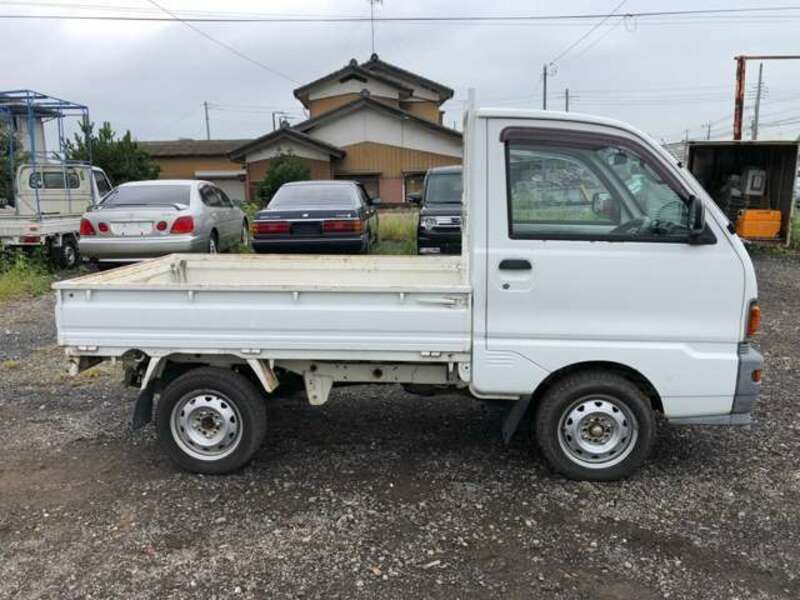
{"x":747,"y":391}
{"x":116,"y":249}
{"x":350,"y":244}
{"x":435,"y":242}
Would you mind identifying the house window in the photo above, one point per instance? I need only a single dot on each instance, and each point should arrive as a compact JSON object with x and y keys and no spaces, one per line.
{"x":370,"y":182}
{"x":413,"y":183}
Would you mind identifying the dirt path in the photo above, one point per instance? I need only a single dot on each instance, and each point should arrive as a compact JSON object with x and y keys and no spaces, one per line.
{"x":380,"y":494}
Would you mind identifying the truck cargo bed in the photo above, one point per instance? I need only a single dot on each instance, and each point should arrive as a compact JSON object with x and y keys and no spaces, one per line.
{"x":272,"y":306}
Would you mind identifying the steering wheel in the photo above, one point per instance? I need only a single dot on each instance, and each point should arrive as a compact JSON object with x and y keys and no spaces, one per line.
{"x":633,"y":226}
{"x":670,"y":206}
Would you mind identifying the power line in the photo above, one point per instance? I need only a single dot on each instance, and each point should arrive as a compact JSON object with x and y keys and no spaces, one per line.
{"x":588,"y":33}
{"x":222,"y":44}
{"x":719,"y":12}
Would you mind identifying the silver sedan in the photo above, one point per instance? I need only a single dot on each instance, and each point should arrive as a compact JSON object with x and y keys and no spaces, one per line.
{"x":144,"y":219}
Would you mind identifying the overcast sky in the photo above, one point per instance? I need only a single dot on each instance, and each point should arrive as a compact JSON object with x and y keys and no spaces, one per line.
{"x":663,"y":75}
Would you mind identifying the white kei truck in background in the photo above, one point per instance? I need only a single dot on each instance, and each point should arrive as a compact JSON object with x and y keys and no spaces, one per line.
{"x":47,"y":208}
{"x":599,"y":285}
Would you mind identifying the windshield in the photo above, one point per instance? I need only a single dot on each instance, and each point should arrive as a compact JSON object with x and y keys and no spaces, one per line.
{"x":148,"y":195}
{"x":443,"y":188}
{"x":298,"y":197}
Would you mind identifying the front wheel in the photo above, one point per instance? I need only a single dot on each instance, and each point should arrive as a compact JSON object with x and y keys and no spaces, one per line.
{"x":210,"y":420}
{"x":595,"y":425}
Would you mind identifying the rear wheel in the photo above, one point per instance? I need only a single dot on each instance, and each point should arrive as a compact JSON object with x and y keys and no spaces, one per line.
{"x":244,"y":240}
{"x":595,"y":425}
{"x":210,"y":420}
{"x":66,"y":256}
{"x":213,"y":243}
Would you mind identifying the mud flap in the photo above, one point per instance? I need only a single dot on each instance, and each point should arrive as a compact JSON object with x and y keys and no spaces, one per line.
{"x":513,"y":418}
{"x":141,"y":412}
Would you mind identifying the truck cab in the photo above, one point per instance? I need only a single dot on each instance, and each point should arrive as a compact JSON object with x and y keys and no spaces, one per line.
{"x":56,"y":189}
{"x":441,"y":212}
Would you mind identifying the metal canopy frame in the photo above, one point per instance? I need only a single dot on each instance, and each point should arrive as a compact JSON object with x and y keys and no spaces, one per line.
{"x":32,"y":106}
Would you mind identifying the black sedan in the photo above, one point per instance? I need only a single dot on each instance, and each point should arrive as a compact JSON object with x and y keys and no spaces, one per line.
{"x":317,"y":216}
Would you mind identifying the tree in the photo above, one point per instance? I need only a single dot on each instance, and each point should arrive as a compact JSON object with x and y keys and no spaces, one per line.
{"x":122,"y":159}
{"x":284,"y":168}
{"x":11,"y":156}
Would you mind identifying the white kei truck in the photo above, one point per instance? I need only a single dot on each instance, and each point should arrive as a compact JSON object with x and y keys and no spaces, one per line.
{"x":47,"y":208}
{"x":599,"y":285}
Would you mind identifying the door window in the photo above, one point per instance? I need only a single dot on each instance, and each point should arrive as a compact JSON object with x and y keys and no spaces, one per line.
{"x":103,"y":185}
{"x":598,"y":192}
{"x":226,"y":202}
{"x":210,"y":197}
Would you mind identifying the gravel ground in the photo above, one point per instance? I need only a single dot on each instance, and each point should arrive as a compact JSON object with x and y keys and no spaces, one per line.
{"x":380,"y":494}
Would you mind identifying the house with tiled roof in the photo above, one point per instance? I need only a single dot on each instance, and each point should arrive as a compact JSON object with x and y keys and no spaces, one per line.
{"x":373,"y":122}
{"x":200,"y":159}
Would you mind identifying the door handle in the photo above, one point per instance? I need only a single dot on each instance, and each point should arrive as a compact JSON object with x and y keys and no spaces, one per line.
{"x":515,"y":264}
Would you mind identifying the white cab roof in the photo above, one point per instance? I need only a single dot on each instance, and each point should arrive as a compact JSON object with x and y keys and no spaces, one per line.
{"x":554,"y":115}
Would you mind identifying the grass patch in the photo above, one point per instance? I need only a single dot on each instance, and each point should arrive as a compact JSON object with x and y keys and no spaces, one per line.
{"x":397,"y":233}
{"x":795,"y":241}
{"x":22,"y":275}
{"x":397,"y":227}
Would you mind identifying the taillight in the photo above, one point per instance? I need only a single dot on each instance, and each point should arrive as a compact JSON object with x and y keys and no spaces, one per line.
{"x":103,"y":227}
{"x":753,"y":319}
{"x":270,"y":227}
{"x":161,"y":225}
{"x":343,"y":226}
{"x":86,"y":228}
{"x":183,"y":224}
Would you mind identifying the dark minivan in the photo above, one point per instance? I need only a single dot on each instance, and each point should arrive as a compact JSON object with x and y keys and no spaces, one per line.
{"x":317,"y":216}
{"x":441,"y":212}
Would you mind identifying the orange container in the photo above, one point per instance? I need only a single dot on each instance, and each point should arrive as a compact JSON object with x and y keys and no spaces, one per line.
{"x":760,"y":224}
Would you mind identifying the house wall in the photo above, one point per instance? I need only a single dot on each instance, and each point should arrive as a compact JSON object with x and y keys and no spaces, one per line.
{"x":426,"y":110}
{"x":354,"y":86}
{"x":284,"y":147}
{"x":391,"y":162}
{"x":368,"y":125}
{"x":256,"y":171}
{"x":323,"y":105}
{"x":184,"y":167}
{"x":24,"y":136}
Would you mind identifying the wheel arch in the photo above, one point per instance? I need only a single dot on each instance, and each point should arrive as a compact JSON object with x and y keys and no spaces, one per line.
{"x":629,"y":373}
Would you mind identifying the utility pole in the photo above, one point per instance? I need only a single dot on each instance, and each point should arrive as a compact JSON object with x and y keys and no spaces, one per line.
{"x":208,"y":126}
{"x":708,"y":130}
{"x":741,"y":66}
{"x":758,"y":100}
{"x":544,"y":87}
{"x":566,"y":100}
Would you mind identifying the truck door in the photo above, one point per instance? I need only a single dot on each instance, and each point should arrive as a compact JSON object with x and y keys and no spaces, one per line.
{"x":588,"y":259}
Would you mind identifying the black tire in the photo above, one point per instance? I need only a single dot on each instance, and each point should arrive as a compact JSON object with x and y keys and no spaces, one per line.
{"x":621,"y":407}
{"x":67,"y":255}
{"x":236,"y":394}
{"x":213,"y":243}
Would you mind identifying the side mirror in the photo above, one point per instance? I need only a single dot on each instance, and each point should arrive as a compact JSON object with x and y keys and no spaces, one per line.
{"x":414,"y":198}
{"x":374,"y":201}
{"x":697,"y":216}
{"x":603,"y":205}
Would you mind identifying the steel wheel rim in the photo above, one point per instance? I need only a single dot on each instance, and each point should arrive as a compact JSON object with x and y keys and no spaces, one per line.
{"x":70,"y":256}
{"x":598,"y":431}
{"x":206,"y":425}
{"x":245,"y":235}
{"x":212,"y":246}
